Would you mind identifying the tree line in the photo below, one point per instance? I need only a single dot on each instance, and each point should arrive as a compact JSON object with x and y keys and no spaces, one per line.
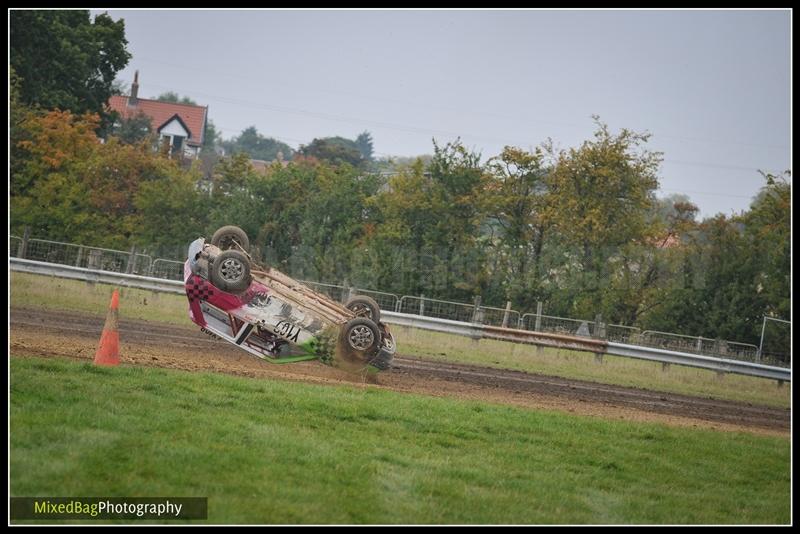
{"x":579,"y":229}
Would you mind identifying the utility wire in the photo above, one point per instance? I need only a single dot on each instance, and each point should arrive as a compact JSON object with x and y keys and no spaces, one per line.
{"x":260,"y":83}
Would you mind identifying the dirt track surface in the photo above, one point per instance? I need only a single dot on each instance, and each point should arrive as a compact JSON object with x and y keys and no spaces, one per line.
{"x":38,"y":332}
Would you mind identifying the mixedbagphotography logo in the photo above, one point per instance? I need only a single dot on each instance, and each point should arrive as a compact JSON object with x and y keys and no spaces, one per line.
{"x":165,"y":508}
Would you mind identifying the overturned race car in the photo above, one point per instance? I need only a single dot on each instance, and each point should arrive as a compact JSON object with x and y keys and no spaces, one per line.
{"x":275,"y":317}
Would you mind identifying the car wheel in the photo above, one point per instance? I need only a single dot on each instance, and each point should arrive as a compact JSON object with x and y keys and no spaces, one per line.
{"x":228,"y":237}
{"x":364,"y":306}
{"x":231,"y":271}
{"x":362,"y":336}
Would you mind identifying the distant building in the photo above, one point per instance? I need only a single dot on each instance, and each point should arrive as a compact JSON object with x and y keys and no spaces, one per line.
{"x":179,"y":126}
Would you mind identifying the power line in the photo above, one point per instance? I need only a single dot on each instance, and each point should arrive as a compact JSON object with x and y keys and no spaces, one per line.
{"x":473,"y":111}
{"x":410,"y":129}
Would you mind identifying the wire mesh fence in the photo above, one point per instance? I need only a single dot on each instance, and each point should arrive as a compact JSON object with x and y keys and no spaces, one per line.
{"x":622,"y":334}
{"x":440,"y":309}
{"x":387,"y":301}
{"x":497,"y":317}
{"x":333,"y":291}
{"x":699,"y":345}
{"x":169,"y":269}
{"x":558,"y":325}
{"x":14,"y":243}
{"x":577,"y":327}
{"x":776,"y":342}
{"x":101,"y":259}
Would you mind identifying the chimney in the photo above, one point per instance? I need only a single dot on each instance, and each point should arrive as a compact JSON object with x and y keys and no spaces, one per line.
{"x":134,"y":90}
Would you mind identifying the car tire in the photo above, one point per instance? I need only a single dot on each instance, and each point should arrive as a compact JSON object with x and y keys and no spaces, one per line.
{"x":231,"y":271}
{"x":227,"y":238}
{"x":364,"y":306}
{"x":362,"y":338}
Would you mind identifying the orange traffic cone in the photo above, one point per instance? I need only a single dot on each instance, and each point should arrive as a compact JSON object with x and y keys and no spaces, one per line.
{"x":108,"y":351}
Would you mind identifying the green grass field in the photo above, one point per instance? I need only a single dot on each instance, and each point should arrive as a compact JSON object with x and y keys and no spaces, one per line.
{"x":279,"y":452}
{"x":54,"y":293}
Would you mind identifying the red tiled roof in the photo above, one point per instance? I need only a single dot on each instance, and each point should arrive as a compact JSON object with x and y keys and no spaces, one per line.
{"x":194,"y":117}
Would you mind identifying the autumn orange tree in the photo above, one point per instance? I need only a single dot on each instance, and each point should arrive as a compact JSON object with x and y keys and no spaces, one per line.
{"x":68,"y":185}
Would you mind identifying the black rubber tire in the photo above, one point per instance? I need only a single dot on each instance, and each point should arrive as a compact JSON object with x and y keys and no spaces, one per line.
{"x":364,"y":306}
{"x":354,"y":332}
{"x":224,"y":238}
{"x":231,"y":272}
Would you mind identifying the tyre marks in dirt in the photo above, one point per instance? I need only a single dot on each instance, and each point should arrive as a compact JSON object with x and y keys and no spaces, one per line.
{"x":73,"y":334}
{"x":736,"y":413}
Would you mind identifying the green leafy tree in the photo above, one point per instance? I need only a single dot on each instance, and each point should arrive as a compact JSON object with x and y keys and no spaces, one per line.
{"x":64,"y":59}
{"x":133,"y":130}
{"x":601,"y":195}
{"x":395,"y":164}
{"x":306,"y":218}
{"x":427,"y":227}
{"x":70,"y":187}
{"x":648,"y":273}
{"x":769,"y":228}
{"x":256,"y":146}
{"x":335,"y":150}
{"x":211,"y":137}
{"x":516,"y":197}
{"x":175,"y":98}
{"x":364,"y":144}
{"x":171,"y":210}
{"x":402,"y":215}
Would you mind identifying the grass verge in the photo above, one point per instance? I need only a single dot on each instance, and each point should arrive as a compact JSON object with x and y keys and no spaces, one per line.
{"x":284,"y":453}
{"x":55,"y":293}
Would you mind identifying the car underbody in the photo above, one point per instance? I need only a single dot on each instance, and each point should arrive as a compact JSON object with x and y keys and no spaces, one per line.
{"x":276,"y":318}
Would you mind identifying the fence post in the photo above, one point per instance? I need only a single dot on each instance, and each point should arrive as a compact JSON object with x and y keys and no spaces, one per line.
{"x":22,"y":250}
{"x":761,"y":343}
{"x":421,"y":304}
{"x":95,"y":259}
{"x":505,"y":315}
{"x":131,"y":260}
{"x":345,"y":291}
{"x":80,"y":256}
{"x":538,"y":326}
{"x":599,"y":327}
{"x":476,"y":312}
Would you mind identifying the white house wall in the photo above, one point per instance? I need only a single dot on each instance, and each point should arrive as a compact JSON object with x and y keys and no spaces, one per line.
{"x":174,"y":128}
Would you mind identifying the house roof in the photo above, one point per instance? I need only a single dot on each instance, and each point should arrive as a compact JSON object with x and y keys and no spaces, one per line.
{"x":161,"y":113}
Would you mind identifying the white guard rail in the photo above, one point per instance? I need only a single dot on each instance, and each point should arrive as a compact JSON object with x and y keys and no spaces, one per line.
{"x":474,"y":331}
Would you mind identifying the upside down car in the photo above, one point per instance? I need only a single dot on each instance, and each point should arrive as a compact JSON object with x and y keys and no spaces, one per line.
{"x":274,"y":317}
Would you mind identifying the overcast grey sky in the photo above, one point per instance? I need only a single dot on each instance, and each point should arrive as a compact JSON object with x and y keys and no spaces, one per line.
{"x":713,"y":87}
